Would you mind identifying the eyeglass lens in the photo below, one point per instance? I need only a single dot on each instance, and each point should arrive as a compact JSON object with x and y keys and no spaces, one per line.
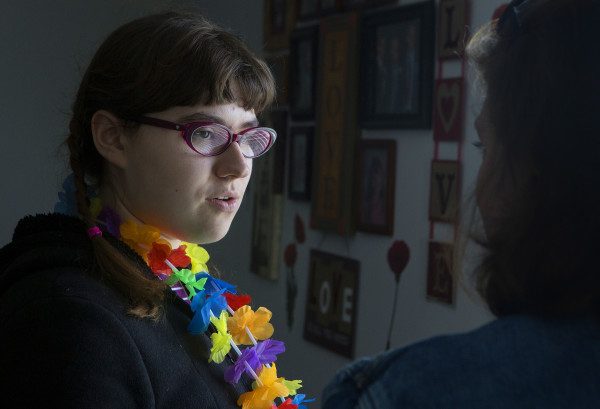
{"x":212,"y":140}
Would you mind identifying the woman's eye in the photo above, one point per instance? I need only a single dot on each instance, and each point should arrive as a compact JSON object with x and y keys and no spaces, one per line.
{"x":203,"y":134}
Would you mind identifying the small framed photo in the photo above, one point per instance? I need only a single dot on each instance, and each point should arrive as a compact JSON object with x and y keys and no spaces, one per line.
{"x":377,"y":180}
{"x":359,"y":4}
{"x":307,"y":9}
{"x":279,"y":66}
{"x":300,"y":168}
{"x":330,"y":6}
{"x":303,"y":56}
{"x":397,"y":70}
{"x":279,"y":19}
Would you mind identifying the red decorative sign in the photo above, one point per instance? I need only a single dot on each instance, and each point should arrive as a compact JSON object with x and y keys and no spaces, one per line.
{"x":448,"y":110}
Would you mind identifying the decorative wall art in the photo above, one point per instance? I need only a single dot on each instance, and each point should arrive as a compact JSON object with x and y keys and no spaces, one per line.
{"x":332,"y":302}
{"x":452,"y":33}
{"x":337,"y":130}
{"x":268,"y":182}
{"x":444,"y":191}
{"x":303,"y":70}
{"x":280,"y":68}
{"x":448,"y":110}
{"x":376,"y":186}
{"x":307,"y":9}
{"x":440,"y":279}
{"x":397,"y":67}
{"x":279,"y":19}
{"x":300,"y":162}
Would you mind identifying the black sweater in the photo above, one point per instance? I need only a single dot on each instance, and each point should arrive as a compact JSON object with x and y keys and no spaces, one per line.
{"x":66,"y":340}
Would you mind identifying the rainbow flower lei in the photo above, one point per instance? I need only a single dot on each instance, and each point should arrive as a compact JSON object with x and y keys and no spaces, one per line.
{"x":214,"y":302}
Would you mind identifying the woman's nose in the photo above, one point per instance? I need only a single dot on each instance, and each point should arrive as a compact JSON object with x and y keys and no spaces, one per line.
{"x":232,"y":163}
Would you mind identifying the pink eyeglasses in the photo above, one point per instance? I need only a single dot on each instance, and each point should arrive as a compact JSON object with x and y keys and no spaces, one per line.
{"x":212,"y":139}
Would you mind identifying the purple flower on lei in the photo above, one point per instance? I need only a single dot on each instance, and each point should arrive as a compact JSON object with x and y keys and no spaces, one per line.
{"x":264,"y":352}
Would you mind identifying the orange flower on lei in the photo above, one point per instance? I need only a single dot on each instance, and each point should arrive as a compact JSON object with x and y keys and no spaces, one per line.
{"x":257,"y":322}
{"x":265,"y":392}
{"x":139,"y":237}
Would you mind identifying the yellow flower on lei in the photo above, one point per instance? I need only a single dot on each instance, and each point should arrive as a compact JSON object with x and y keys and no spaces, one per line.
{"x":220,"y":339}
{"x":292,"y":386}
{"x":139,"y":237}
{"x":257,"y":322}
{"x":198,"y":255}
{"x":263,"y":395}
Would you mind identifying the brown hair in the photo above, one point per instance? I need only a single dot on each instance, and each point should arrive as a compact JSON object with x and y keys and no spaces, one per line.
{"x":149,"y":65}
{"x":542,"y":86}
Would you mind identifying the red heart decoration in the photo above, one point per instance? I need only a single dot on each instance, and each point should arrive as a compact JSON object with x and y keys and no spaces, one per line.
{"x":398,"y":256}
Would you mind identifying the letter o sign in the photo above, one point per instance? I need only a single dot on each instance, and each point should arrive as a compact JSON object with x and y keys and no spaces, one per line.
{"x":324,"y":297}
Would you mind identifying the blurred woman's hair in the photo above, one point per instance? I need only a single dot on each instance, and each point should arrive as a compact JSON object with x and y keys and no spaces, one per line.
{"x":149,"y":65}
{"x":540,"y":72}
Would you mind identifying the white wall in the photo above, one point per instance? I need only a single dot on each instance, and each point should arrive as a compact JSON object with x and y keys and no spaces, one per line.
{"x":416,"y":317}
{"x":45,"y":47}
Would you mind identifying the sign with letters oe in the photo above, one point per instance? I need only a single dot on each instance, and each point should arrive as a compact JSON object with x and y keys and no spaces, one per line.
{"x":444,"y":193}
{"x":331,"y":305}
{"x":337,"y":128}
{"x":440,"y":279}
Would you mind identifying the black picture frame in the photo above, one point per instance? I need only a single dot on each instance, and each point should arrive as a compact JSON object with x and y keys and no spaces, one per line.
{"x":397,"y":69}
{"x":307,"y":9}
{"x":303,"y":72}
{"x":376,"y":186}
{"x":300,"y":162}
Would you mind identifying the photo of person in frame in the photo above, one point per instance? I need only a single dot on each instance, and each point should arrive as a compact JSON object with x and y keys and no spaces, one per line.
{"x":397,"y":68}
{"x":374,"y":187}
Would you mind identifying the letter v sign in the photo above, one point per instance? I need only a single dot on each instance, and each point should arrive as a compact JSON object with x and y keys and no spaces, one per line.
{"x":444,"y":192}
{"x":443,"y":201}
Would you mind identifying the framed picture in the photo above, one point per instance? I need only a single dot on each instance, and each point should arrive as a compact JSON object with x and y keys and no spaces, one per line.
{"x":444,"y":191}
{"x":452,"y":28}
{"x":279,"y":66}
{"x":376,"y":186}
{"x":300,"y":168}
{"x":332,"y":206}
{"x":332,"y":302}
{"x":303,"y":56}
{"x":397,"y":70}
{"x":440,"y":278}
{"x":359,"y":4}
{"x":279,"y":19}
{"x":307,"y":8}
{"x":330,"y":6}
{"x":268,"y":187}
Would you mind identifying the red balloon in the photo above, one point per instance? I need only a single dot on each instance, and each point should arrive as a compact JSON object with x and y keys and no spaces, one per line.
{"x":290,"y":254}
{"x":398,"y":256}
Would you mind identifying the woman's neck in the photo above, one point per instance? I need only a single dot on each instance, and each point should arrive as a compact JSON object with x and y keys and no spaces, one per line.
{"x":112,"y":200}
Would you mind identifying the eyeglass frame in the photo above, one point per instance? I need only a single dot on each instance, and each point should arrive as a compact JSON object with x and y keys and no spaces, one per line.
{"x":186,"y":130}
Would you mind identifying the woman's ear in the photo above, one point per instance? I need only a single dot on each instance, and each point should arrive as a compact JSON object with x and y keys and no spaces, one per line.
{"x":109,"y":137}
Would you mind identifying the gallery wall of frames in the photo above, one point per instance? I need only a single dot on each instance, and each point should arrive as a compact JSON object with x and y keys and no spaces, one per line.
{"x":341,"y":67}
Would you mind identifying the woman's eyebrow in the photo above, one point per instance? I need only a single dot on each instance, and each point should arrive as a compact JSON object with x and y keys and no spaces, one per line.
{"x":201,"y":116}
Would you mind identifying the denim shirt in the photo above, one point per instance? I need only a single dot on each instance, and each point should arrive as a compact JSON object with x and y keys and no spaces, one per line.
{"x":513,"y":362}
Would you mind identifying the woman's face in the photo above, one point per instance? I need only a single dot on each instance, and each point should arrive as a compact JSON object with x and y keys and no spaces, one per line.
{"x":488,"y":206}
{"x":167,"y":185}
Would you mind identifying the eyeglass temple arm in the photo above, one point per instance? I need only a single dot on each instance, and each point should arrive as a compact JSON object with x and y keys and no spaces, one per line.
{"x":158,"y":122}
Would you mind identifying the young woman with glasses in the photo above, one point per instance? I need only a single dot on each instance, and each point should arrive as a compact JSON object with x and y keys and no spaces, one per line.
{"x":538,"y":195}
{"x":113,"y":305}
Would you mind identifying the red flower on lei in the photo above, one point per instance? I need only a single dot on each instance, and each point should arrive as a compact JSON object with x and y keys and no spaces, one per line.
{"x":161,"y":252}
